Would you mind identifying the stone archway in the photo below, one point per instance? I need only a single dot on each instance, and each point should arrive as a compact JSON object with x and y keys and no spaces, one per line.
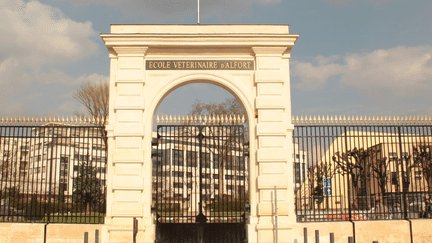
{"x":147,"y":62}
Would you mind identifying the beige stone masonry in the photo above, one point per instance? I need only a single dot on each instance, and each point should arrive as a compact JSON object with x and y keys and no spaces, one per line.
{"x":135,"y":94}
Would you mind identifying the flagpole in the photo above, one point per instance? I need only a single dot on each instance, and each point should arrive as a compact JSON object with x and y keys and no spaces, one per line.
{"x":198,"y":12}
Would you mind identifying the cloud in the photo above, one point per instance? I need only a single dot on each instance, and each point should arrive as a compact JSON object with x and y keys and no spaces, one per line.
{"x":339,"y":1}
{"x":38,"y":33}
{"x":36,"y":40}
{"x":159,"y":10}
{"x":56,"y":76}
{"x":375,"y":2}
{"x":401,"y":70}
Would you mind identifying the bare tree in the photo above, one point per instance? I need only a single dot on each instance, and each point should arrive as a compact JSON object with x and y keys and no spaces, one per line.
{"x":94,"y":96}
{"x":224,"y":140}
{"x":354,"y":163}
{"x":422,"y":158}
{"x":230,"y":106}
{"x":315,"y":176}
{"x":379,"y":167}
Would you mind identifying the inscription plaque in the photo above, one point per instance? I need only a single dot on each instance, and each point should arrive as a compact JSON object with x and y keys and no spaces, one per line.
{"x":199,"y":65}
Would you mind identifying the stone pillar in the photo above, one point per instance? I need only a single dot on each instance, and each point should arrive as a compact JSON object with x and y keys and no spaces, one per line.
{"x":125,"y":190}
{"x":274,"y":144}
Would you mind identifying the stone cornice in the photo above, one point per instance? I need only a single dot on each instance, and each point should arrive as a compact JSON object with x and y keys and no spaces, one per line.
{"x":270,"y":50}
{"x":127,"y":51}
{"x":200,"y":40}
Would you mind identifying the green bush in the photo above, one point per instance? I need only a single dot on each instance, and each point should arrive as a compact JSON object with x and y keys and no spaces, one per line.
{"x":173,"y":207}
{"x":58,"y":207}
{"x":225,"y":204}
{"x":34,"y":210}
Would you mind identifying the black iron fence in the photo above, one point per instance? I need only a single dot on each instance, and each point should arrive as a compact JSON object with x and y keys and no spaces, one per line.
{"x":51,"y":172}
{"x":362,"y":169}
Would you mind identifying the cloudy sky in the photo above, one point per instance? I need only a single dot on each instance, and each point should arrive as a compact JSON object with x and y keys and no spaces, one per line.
{"x":353,"y":57}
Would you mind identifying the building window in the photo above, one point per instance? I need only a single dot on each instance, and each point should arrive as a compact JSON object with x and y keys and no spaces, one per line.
{"x":178,"y":185}
{"x":206,"y":160}
{"x":191,"y":159}
{"x":177,"y":174}
{"x":297,"y":173}
{"x":229,"y":177}
{"x":177,"y":157}
{"x":229,"y":165}
{"x":240,"y":163}
{"x":215,"y":161}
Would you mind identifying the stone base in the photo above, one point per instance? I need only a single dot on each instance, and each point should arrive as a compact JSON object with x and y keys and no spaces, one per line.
{"x":114,"y":234}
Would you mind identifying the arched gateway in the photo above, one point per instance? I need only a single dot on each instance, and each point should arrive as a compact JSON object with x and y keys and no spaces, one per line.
{"x":147,"y":63}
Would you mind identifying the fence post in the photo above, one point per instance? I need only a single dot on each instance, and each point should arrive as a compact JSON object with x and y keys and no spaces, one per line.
{"x":276,"y":213}
{"x":85,"y":237}
{"x":135,"y":229}
{"x":404,"y":177}
{"x":304,"y":235}
{"x":331,"y":237}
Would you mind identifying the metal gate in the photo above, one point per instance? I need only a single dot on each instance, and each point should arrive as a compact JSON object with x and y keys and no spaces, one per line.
{"x":199,"y":183}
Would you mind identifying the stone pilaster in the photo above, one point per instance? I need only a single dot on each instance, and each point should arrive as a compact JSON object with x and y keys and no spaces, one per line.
{"x":274,"y":154}
{"x":125,"y":196}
